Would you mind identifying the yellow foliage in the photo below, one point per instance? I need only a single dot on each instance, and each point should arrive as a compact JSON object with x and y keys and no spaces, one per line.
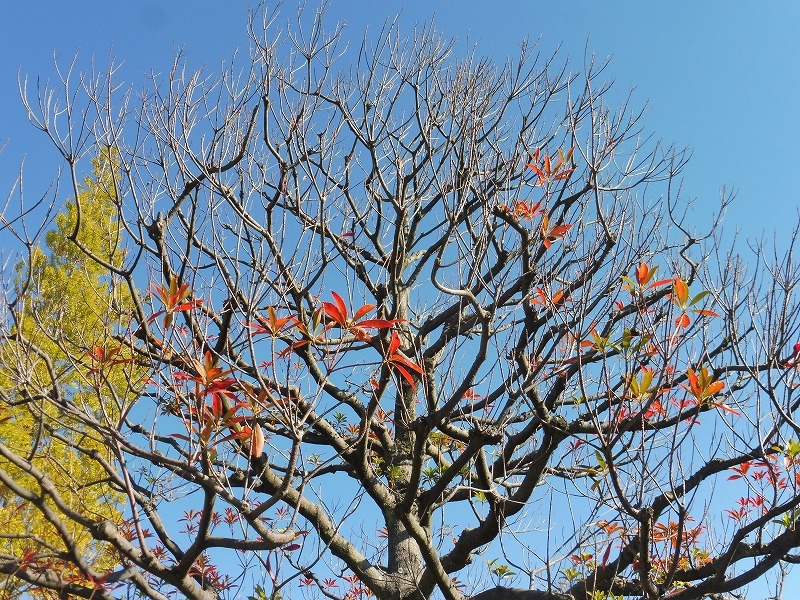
{"x":68,"y":307}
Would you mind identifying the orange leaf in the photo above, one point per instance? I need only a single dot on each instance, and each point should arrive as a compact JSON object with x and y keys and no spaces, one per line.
{"x":681,"y":291}
{"x":550,"y":236}
{"x":683,"y":321}
{"x":641,"y":274}
{"x":257,"y":443}
{"x":694,"y":384}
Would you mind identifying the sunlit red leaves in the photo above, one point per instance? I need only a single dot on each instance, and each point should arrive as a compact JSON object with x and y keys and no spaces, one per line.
{"x":680,"y":293}
{"x":680,"y":297}
{"x":741,"y":470}
{"x":403,"y":365}
{"x":255,"y":435}
{"x":46,"y":563}
{"x":746,"y":505}
{"x":739,"y":514}
{"x":551,"y":235}
{"x":642,"y":280}
{"x":204,"y":420}
{"x":338,"y":314}
{"x":644,"y":274}
{"x":213,"y":379}
{"x":547,"y":169}
{"x":102,"y":358}
{"x":471,"y":396}
{"x":702,"y":386}
{"x":277,"y":327}
{"x":678,"y":534}
{"x":655,"y":409}
{"x":272,"y":325}
{"x":543,"y":299}
{"x":610,"y":528}
{"x":174,"y":299}
{"x":526,"y":210}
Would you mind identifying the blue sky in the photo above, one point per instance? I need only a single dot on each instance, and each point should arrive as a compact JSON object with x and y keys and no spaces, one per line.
{"x":719,"y":77}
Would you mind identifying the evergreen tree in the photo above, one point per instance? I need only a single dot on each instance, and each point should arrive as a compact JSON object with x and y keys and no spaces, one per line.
{"x":67,"y":311}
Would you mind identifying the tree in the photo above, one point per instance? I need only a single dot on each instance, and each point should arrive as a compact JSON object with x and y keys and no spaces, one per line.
{"x":416,"y":325}
{"x":62,"y":312}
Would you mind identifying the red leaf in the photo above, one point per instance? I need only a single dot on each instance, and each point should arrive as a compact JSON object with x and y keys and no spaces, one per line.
{"x":395,"y":344}
{"x":216,"y":406}
{"x":406,"y":375}
{"x":363,"y":311}
{"x":188,"y":306}
{"x":539,"y":173}
{"x":340,"y":304}
{"x":409,"y":364}
{"x":379,"y":323}
{"x":291,"y":348}
{"x":607,"y":554}
{"x":334,"y":313}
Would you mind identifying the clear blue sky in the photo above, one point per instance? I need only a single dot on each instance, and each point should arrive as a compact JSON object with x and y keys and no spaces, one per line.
{"x":720,"y":77}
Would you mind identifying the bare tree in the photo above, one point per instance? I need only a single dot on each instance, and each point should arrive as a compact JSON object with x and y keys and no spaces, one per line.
{"x":394,"y":322}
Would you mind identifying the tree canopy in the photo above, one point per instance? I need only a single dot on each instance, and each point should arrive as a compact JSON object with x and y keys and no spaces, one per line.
{"x":392,"y":320}
{"x":62,"y":311}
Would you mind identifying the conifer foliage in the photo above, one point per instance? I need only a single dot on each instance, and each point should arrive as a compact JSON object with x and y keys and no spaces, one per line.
{"x":63,"y":313}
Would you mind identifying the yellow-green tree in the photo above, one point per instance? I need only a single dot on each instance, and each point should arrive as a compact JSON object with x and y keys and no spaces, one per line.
{"x":56,"y":358}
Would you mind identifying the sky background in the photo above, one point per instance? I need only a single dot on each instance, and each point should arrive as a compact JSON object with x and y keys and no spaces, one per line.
{"x":719,"y":77}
